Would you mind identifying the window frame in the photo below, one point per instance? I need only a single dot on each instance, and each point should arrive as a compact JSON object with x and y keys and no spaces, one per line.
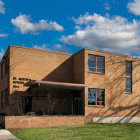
{"x":128,"y":76}
{"x":2,"y":99}
{"x":6,"y":64}
{"x":96,"y":98}
{"x":96,"y":65}
{"x":6,"y":97}
{"x":2,"y":69}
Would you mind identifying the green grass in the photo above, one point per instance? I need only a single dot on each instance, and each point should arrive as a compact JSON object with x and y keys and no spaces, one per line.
{"x":86,"y":132}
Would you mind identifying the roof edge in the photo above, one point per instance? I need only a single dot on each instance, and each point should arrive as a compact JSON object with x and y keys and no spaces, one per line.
{"x":111,"y":53}
{"x":16,"y":46}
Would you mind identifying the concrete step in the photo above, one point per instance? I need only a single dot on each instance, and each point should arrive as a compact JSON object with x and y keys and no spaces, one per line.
{"x":6,"y":135}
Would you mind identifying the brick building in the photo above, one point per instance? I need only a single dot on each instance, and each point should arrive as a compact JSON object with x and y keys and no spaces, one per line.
{"x":94,"y":84}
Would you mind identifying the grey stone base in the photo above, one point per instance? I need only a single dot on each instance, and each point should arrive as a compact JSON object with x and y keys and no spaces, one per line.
{"x":116,"y":119}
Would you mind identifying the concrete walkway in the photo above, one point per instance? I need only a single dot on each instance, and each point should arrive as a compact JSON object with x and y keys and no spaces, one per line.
{"x":6,"y":135}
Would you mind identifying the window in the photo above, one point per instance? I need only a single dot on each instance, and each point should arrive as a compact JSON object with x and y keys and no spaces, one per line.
{"x":129,"y":76}
{"x":96,"y":63}
{"x":2,"y":70}
{"x":7,"y":97}
{"x":96,"y":96}
{"x":2,"y":99}
{"x":6,"y":64}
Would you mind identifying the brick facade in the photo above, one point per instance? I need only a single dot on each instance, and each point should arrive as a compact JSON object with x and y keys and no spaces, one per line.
{"x":118,"y":103}
{"x":13,"y":122}
{"x":36,"y":64}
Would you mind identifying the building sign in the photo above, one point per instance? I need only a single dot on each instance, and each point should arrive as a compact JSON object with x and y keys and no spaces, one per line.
{"x":19,"y":81}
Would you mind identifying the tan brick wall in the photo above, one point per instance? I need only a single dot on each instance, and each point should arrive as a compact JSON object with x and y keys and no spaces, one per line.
{"x":4,"y":84}
{"x":79,"y":72}
{"x":62,"y":67}
{"x":78,"y":67}
{"x":117,"y":102}
{"x":12,"y":122}
{"x":36,"y":64}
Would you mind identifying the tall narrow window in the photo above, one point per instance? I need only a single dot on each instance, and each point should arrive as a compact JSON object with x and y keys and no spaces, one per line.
{"x":96,"y":63}
{"x":6,"y":97}
{"x":2,"y":99}
{"x":96,"y":96}
{"x":6,"y":65}
{"x":128,"y":76}
{"x":2,"y":70}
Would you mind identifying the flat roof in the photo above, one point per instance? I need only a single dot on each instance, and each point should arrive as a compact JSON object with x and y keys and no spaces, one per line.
{"x":63,"y":85}
{"x":37,"y":49}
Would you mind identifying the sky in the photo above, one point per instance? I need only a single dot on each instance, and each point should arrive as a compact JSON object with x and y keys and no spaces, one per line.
{"x":70,"y":25}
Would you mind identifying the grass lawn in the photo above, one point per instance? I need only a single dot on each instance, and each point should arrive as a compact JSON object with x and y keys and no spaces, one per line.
{"x":86,"y":132}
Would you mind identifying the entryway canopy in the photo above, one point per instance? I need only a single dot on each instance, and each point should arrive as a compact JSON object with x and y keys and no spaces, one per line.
{"x":73,"y":86}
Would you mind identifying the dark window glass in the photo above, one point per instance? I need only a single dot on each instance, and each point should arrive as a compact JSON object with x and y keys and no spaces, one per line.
{"x":2,"y":99}
{"x":100,"y":103}
{"x":92,"y":63}
{"x":96,"y":63}
{"x":128,"y":84}
{"x":2,"y":70}
{"x":128,"y":76}
{"x":96,"y":96}
{"x":92,"y":90}
{"x":100,"y":64}
{"x":92,"y":69}
{"x":128,"y":68}
{"x":6,"y":97}
{"x":6,"y":65}
{"x":92,"y":98}
{"x":128,"y":81}
{"x":100,"y":97}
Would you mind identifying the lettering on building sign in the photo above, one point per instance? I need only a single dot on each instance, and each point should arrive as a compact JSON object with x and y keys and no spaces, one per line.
{"x":15,"y":86}
{"x":19,"y":81}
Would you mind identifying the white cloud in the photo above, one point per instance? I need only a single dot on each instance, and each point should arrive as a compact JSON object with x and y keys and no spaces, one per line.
{"x":55,"y":47}
{"x":61,"y":48}
{"x":2,"y":9}
{"x":1,"y":53}
{"x":87,"y":19}
{"x":24,"y":25}
{"x":106,"y":33}
{"x":3,"y":35}
{"x":43,"y":46}
{"x":58,"y":46}
{"x":134,"y":7}
{"x":107,"y":6}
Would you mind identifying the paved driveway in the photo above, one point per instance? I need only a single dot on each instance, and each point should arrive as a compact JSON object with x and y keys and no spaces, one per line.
{"x":6,"y":135}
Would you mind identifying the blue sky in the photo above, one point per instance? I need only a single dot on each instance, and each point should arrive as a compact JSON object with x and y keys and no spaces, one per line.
{"x":70,"y":25}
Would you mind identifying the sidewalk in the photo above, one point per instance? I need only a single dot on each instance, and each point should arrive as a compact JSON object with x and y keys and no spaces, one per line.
{"x":6,"y":135}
